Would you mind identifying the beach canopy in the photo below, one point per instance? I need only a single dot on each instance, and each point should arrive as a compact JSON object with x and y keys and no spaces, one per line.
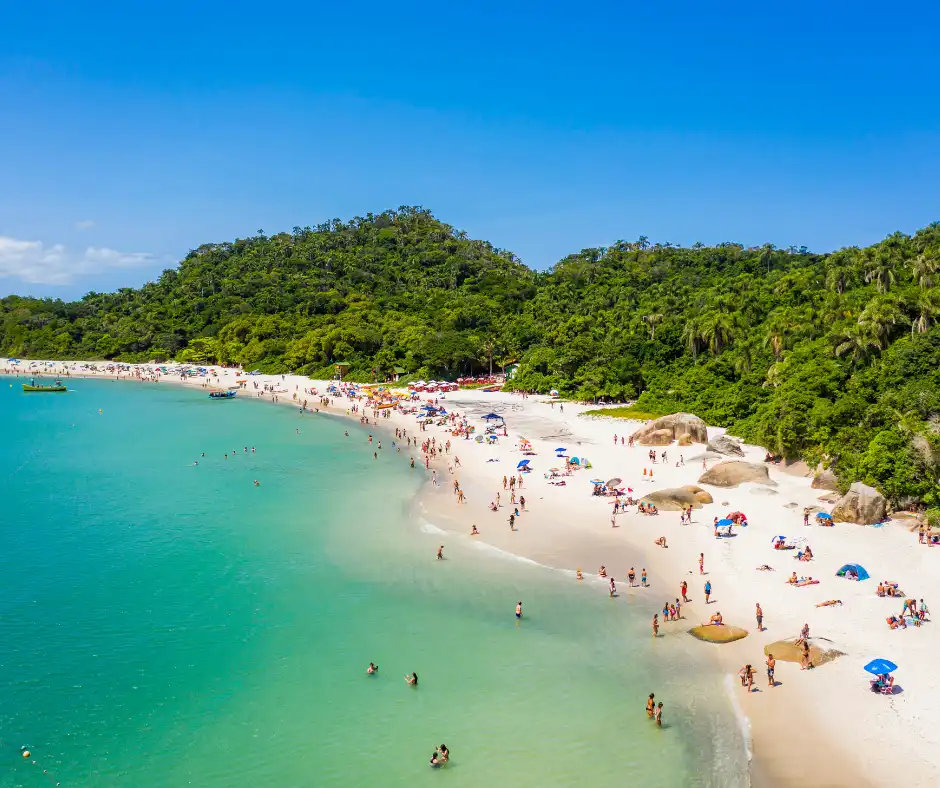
{"x":522,"y":463}
{"x":725,"y":522}
{"x":880,"y":666}
{"x":614,"y":482}
{"x":823,"y":516}
{"x":858,"y":569}
{"x":561,"y":448}
{"x":490,"y":416}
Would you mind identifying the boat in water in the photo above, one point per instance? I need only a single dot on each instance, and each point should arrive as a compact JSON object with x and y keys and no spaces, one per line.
{"x":32,"y":386}
{"x":222,"y":394}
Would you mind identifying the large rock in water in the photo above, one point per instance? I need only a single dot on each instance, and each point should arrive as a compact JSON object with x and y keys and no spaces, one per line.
{"x":676,"y":426}
{"x":825,"y":479}
{"x":861,"y":504}
{"x":675,"y":499}
{"x":725,"y":445}
{"x":731,"y":473}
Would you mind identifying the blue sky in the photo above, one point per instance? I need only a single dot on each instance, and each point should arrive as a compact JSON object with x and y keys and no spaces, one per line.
{"x":130,"y":136}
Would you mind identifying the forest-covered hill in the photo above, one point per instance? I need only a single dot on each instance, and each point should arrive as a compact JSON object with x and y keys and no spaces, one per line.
{"x":831,"y":357}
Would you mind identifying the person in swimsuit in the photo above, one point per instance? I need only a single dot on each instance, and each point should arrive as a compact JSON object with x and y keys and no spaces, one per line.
{"x":643,"y":578}
{"x":631,"y":576}
{"x":613,"y":588}
{"x":655,"y":625}
{"x":683,"y":588}
{"x":771,"y":663}
{"x":760,"y":618}
{"x":440,"y":553}
{"x":412,"y":679}
{"x":518,"y":609}
{"x":659,"y":714}
{"x":651,"y":705}
{"x":372,"y":669}
{"x":474,"y":531}
{"x":708,"y":591}
{"x":578,"y":575}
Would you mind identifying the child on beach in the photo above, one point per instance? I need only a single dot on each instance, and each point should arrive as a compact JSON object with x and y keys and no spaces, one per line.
{"x":683,"y":587}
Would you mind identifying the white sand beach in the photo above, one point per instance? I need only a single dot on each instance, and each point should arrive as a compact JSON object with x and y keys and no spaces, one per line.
{"x":822,"y":726}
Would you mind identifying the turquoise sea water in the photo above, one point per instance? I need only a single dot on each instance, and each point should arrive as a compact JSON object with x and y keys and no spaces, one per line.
{"x":166,"y":625}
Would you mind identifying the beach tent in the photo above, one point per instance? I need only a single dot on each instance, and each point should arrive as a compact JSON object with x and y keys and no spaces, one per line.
{"x":575,"y":461}
{"x":858,"y":569}
{"x":723,"y":523}
{"x":490,"y":416}
{"x":880,"y":666}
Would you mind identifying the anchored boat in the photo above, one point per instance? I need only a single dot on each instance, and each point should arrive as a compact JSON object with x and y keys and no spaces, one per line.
{"x":222,"y":394}
{"x":33,"y":387}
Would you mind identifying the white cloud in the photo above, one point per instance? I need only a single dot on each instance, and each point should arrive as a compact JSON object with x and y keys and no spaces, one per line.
{"x":84,"y":224}
{"x":34,"y":262}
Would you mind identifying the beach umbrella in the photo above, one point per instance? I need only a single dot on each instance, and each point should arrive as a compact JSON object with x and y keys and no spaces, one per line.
{"x":725,"y":522}
{"x":522,"y":463}
{"x":779,"y":539}
{"x":880,"y":666}
{"x":562,"y":448}
{"x":732,"y":515}
{"x":823,"y":516}
{"x":597,"y":481}
{"x":490,"y":416}
{"x":553,"y":393}
{"x":614,"y":482}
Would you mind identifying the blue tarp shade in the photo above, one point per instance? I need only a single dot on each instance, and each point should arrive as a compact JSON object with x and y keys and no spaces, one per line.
{"x":522,"y":464}
{"x":561,"y":448}
{"x":879,"y":666}
{"x":823,"y":516}
{"x":860,"y":572}
{"x":725,"y":522}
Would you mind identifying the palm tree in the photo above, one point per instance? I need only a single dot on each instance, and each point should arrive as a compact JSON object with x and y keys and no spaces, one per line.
{"x":879,"y":268}
{"x":718,"y":329}
{"x":879,"y":318}
{"x":841,"y":269}
{"x":692,"y":335}
{"x":923,"y":267}
{"x":780,"y":326}
{"x":857,"y":342}
{"x":652,"y":321}
{"x":928,"y":307}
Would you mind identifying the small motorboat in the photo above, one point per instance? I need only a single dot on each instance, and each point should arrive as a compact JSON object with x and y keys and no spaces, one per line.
{"x":34,"y":388}
{"x":222,"y":394}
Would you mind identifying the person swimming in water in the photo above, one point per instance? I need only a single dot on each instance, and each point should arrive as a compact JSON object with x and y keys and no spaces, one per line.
{"x":372,"y":669}
{"x":412,"y":679}
{"x":518,"y":609}
{"x":257,"y":483}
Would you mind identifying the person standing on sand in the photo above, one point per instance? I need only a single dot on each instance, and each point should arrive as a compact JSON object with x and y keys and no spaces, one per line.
{"x":613,"y":588}
{"x":440,"y":553}
{"x":708,"y":591}
{"x":760,"y":618}
{"x":512,"y":522}
{"x":522,"y":502}
{"x":771,"y":663}
{"x":683,"y":587}
{"x":631,"y":576}
{"x":701,"y":563}
{"x":643,"y":578}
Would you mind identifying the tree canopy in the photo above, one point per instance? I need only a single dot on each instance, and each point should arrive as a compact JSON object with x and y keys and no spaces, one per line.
{"x":832,"y":357}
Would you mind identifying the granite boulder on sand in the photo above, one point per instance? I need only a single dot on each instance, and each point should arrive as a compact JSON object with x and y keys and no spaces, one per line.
{"x":862,"y":504}
{"x":674,"y":427}
{"x":675,"y":499}
{"x":731,"y":473}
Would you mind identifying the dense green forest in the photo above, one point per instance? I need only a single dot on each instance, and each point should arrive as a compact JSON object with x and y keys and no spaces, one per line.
{"x":832,"y":357}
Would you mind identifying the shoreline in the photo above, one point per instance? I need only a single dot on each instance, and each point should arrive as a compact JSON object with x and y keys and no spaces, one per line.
{"x":822,"y":725}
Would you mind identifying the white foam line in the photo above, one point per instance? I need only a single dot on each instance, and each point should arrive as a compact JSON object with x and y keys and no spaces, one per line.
{"x":743,"y":722}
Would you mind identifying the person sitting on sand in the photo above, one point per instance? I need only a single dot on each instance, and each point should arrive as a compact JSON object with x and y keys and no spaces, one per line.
{"x":894,"y":622}
{"x":412,"y":679}
{"x":715,"y":620}
{"x":793,"y":579}
{"x":661,"y":542}
{"x":602,"y":572}
{"x":474,"y":531}
{"x":830,"y":603}
{"x":766,"y":568}
{"x":880,"y":591}
{"x":373,"y":668}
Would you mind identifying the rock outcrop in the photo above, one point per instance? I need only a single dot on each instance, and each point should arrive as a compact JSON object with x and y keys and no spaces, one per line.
{"x":862,"y":504}
{"x":825,"y":479}
{"x":676,"y":425}
{"x":675,"y":499}
{"x":731,"y":473}
{"x":725,"y":445}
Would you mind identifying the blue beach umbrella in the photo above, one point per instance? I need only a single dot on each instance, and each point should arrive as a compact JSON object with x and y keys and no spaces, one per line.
{"x":522,"y":464}
{"x":725,"y":522}
{"x":490,"y":416}
{"x":880,"y":666}
{"x":823,"y":516}
{"x":561,"y":449}
{"x":597,"y":481}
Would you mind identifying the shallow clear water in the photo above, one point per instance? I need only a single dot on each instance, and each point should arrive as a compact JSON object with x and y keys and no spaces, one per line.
{"x":163,"y":624}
